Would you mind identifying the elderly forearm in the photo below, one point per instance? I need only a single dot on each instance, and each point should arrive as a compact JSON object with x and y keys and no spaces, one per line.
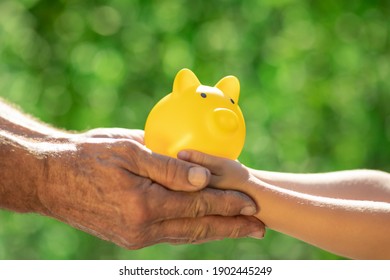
{"x":24,"y":146}
{"x":21,"y":172}
{"x":14,"y":121}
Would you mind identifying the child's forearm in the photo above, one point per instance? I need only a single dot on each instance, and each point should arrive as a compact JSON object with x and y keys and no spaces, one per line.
{"x":353,"y":184}
{"x":310,"y":208}
{"x":352,"y":228}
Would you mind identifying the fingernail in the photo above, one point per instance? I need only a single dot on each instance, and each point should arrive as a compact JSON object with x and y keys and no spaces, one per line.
{"x":248,"y":211}
{"x":257,"y":234}
{"x":197,"y":176}
{"x":183,"y":155}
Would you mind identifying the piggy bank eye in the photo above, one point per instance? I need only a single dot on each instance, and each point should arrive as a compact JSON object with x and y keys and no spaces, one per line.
{"x":204,"y":95}
{"x":231,"y":100}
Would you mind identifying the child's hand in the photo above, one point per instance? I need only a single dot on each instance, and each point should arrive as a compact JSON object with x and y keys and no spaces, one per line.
{"x":225,"y":173}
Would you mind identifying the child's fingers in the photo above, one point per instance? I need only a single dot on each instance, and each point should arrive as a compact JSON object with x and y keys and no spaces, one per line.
{"x":225,"y":173}
{"x":213,"y":163}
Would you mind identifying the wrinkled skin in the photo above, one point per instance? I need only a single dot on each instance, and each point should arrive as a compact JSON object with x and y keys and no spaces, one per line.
{"x":107,"y":183}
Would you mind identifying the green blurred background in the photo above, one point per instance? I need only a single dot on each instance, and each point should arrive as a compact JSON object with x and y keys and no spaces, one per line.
{"x":315,"y":82}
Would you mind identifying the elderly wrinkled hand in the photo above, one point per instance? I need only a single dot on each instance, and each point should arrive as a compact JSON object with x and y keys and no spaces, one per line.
{"x":105,"y":182}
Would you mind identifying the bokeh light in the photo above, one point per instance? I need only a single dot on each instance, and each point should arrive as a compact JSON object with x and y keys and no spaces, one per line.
{"x":315,"y":92}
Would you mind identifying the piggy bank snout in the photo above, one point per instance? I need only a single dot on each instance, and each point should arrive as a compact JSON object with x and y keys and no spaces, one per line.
{"x":225,"y":120}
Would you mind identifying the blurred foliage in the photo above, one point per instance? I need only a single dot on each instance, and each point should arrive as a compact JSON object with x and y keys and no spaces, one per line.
{"x":314,"y":91}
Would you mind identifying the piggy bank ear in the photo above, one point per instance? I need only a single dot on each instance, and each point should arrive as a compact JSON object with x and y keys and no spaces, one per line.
{"x":184,"y":80}
{"x":230,"y":86}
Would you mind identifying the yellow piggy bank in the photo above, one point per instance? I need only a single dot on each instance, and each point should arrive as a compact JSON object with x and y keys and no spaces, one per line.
{"x":197,"y":117}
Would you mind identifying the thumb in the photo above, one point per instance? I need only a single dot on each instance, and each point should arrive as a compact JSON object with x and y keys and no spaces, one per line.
{"x":174,"y":174}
